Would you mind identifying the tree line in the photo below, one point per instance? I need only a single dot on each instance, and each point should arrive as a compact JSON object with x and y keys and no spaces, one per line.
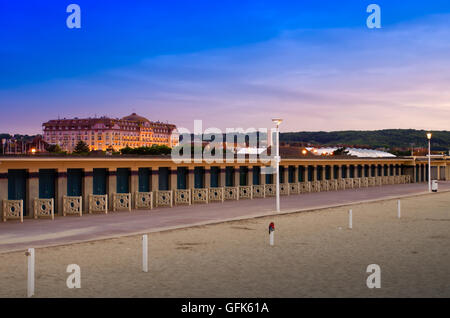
{"x":388,"y":138}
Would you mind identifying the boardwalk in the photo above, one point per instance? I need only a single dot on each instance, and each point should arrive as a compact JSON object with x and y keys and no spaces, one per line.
{"x":66,"y":230}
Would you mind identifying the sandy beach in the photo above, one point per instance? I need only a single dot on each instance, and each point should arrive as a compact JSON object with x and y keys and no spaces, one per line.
{"x":315,"y":255}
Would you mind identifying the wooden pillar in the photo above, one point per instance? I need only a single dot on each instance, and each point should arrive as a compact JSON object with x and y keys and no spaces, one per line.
{"x":112,"y":187}
{"x":207,"y":176}
{"x":134,"y":185}
{"x":88,"y":186}
{"x":314,"y":173}
{"x":32,"y":190}
{"x":61,"y":189}
{"x":3,"y":189}
{"x":286,"y":174}
{"x":295,"y":174}
{"x":250,"y":176}
{"x":236,"y":176}
{"x":262,"y":177}
{"x":222,"y":180}
{"x":134,"y":182}
{"x":173,"y":176}
{"x":339,"y":176}
{"x":191,"y":178}
{"x":154,"y":175}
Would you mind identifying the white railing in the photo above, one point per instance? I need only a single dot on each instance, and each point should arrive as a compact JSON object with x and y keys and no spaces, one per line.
{"x":200,"y":195}
{"x":245,"y":192}
{"x":121,"y":201}
{"x":284,"y":189}
{"x":294,"y":188}
{"x":98,"y":203}
{"x":164,"y":198}
{"x":270,"y":190}
{"x":44,"y":208}
{"x":143,"y":200}
{"x":12,"y":210}
{"x":348,"y":183}
{"x":332,"y":185}
{"x":315,"y":186}
{"x":305,"y":187}
{"x":216,"y":194}
{"x":72,"y":205}
{"x":324,"y":186}
{"x":231,"y":193}
{"x":258,"y":191}
{"x":183,"y":196}
{"x":341,"y":184}
{"x":364,"y":182}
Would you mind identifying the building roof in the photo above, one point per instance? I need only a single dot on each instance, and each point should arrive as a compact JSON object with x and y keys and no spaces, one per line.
{"x":356,"y":152}
{"x":135,"y":117}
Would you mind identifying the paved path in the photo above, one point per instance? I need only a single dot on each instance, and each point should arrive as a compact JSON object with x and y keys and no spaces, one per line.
{"x":65,"y":230}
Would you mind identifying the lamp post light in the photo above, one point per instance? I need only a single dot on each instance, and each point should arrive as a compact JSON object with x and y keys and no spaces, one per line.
{"x":429,"y":161}
{"x":277,"y":122}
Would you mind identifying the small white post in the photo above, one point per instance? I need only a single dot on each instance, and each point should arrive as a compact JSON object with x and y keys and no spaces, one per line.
{"x":30,"y":278}
{"x":145,"y":253}
{"x":399,"y":210}
{"x":271,"y":233}
{"x":350,"y":219}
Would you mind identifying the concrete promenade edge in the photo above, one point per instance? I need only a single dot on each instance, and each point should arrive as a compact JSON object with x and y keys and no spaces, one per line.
{"x":15,"y":236}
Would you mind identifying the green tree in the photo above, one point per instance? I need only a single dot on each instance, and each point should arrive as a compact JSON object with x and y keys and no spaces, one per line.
{"x":340,"y":152}
{"x":54,"y":148}
{"x":81,"y":148}
{"x":126,"y":151}
{"x":154,"y":150}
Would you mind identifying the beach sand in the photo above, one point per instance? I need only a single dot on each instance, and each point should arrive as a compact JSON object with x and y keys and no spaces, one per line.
{"x":315,"y":255}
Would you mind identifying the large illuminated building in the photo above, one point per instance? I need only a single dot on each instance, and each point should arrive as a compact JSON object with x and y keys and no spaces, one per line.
{"x":105,"y":133}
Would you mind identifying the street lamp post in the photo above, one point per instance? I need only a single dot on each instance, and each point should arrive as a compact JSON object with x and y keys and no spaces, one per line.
{"x":277,"y":122}
{"x":429,"y":161}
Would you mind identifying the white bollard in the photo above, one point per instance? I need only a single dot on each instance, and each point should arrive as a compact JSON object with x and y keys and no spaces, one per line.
{"x":399,"y":209}
{"x":145,"y":253}
{"x":30,"y":278}
{"x":350,"y":219}
{"x":271,"y":233}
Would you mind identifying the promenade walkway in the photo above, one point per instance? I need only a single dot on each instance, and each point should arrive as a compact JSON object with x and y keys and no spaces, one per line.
{"x":66,"y":230}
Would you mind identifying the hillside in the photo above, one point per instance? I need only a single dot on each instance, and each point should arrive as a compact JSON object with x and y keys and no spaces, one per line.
{"x":389,"y":138}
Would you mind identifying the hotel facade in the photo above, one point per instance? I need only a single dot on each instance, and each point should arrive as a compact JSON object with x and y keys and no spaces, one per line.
{"x":105,"y":133}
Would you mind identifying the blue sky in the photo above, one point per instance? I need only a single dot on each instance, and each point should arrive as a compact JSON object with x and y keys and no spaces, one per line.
{"x":229,"y":63}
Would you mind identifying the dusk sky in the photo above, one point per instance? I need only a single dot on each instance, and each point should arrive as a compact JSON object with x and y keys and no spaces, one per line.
{"x":229,"y":63}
